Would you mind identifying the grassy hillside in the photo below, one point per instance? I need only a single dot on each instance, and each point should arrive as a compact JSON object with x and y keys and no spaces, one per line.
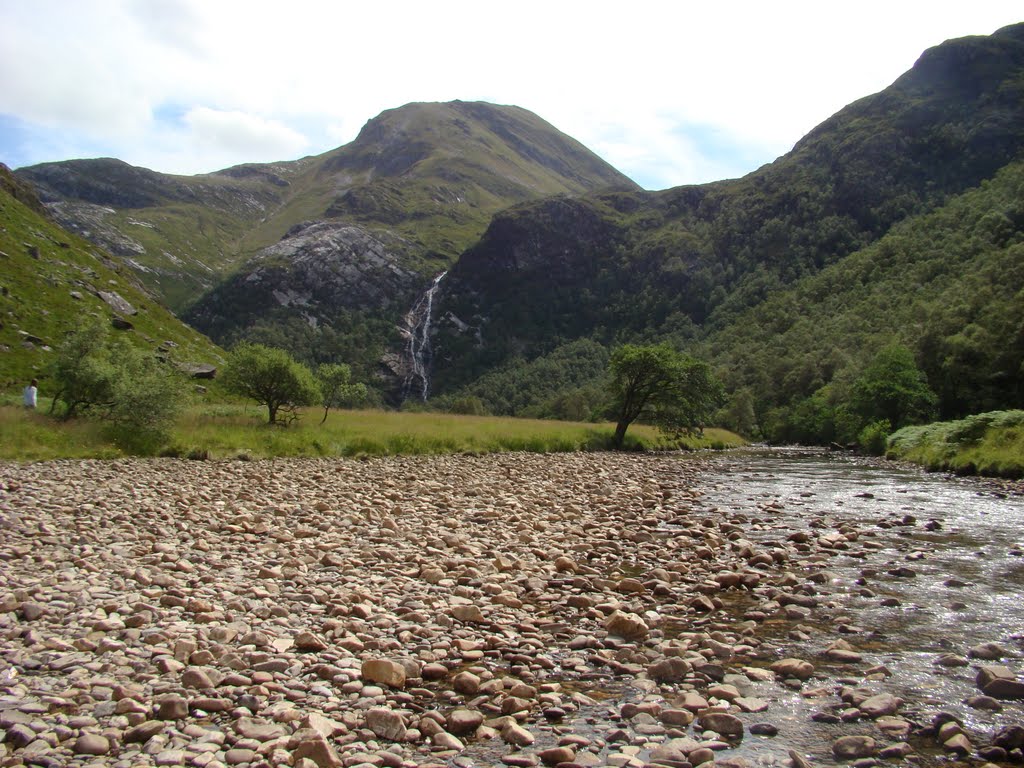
{"x":178,"y":234}
{"x":50,"y":280}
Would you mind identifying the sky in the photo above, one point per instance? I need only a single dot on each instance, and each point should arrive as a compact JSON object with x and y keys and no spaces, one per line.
{"x":669,"y":92}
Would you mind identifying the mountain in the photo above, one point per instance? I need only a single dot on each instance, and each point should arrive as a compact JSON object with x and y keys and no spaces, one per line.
{"x":51,"y":279}
{"x":474,"y":252}
{"x":177,"y":233}
{"x":428,"y":174}
{"x":690,"y":263}
{"x":328,"y":250}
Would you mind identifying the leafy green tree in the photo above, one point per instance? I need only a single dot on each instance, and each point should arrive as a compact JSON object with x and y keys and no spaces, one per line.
{"x":117,"y":382}
{"x":894,"y":389}
{"x":337,"y":388}
{"x":272,"y":378}
{"x":83,"y":371}
{"x":739,"y":415}
{"x":674,"y":390}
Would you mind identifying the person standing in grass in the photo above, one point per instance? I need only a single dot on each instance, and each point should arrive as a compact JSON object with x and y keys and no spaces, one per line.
{"x":29,"y":394}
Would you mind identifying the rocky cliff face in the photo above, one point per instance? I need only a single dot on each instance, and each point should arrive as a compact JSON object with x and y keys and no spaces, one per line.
{"x":316,"y":269}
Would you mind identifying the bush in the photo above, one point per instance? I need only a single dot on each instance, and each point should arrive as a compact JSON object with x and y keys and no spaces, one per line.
{"x":468,"y":405}
{"x":872,"y":439}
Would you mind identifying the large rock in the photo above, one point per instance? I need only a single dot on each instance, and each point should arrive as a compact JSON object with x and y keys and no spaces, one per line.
{"x":669,"y":670}
{"x":309,"y":744}
{"x":626,"y":625}
{"x":721,"y":722}
{"x":882,"y":705}
{"x":464,"y":721}
{"x":91,"y":744}
{"x":386,"y":723}
{"x":999,"y":682}
{"x":117,"y":303}
{"x":795,"y":668}
{"x":854,"y":747}
{"x":384,"y":671}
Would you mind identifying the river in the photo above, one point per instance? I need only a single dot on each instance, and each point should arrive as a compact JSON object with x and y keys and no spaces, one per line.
{"x":937,"y":569}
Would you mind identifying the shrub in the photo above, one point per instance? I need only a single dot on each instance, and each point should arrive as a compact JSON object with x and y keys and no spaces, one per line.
{"x":872,"y":439}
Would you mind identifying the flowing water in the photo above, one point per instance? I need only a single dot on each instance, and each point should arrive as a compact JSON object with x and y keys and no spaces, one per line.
{"x":961,"y":539}
{"x":417,"y":349}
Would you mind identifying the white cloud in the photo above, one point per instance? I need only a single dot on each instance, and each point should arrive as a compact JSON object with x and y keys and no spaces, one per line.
{"x":630,"y":81}
{"x":244,"y":136}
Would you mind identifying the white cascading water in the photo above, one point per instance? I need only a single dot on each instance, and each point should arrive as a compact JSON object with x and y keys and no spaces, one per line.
{"x":417,"y":350}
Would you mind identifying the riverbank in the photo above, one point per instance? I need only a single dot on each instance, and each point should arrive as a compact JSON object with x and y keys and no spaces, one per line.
{"x":577,"y":609}
{"x":988,"y":444}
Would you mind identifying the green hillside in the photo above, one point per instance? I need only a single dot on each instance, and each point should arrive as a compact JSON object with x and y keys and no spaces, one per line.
{"x":50,"y":280}
{"x":948,"y":285}
{"x":757,"y":273}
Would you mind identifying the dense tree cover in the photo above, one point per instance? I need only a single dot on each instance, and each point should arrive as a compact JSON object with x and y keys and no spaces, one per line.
{"x":672,"y":390}
{"x":569,"y":383}
{"x":100,"y":376}
{"x":948,"y":287}
{"x":688,"y":262}
{"x":272,"y":378}
{"x":355,"y":337}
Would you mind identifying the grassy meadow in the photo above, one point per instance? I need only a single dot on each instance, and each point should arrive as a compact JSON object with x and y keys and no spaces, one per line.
{"x":224,"y":431}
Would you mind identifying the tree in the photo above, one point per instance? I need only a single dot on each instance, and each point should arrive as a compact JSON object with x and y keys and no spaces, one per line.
{"x":272,"y":378}
{"x":83,"y":371}
{"x":117,"y":382}
{"x":676,"y":391}
{"x":337,"y":388}
{"x":892,"y":388}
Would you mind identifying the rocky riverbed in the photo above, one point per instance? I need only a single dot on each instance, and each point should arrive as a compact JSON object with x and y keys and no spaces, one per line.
{"x":573,"y":610}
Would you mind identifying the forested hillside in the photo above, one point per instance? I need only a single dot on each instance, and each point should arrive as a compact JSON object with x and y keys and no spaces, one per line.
{"x":758,"y":273}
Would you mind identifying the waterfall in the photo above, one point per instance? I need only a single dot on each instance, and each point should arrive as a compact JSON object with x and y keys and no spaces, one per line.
{"x":417,"y":349}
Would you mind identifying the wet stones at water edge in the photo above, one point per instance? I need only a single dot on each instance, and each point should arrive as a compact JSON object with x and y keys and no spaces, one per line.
{"x":525,"y":610}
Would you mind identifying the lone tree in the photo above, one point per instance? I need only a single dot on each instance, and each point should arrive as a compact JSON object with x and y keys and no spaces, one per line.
{"x":673,"y":390}
{"x":337,"y":388}
{"x":272,"y":378}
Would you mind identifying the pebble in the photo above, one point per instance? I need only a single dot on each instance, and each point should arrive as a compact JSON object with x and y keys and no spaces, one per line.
{"x":400,"y":612}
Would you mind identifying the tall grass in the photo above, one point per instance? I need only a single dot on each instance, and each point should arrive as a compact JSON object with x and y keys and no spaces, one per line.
{"x":985,"y":444}
{"x":235,"y":431}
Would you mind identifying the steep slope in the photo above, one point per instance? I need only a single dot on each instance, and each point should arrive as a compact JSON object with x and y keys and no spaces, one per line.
{"x":388,"y":213}
{"x":177,"y":233}
{"x":948,"y":285}
{"x":685,"y":261}
{"x":50,"y":279}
